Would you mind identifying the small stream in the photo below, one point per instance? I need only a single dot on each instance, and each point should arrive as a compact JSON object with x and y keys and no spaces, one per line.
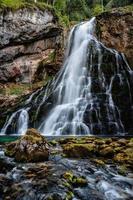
{"x":44,"y":181}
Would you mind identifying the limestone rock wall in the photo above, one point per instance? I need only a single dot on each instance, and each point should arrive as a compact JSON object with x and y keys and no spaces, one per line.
{"x":115,"y":30}
{"x":27,"y":36}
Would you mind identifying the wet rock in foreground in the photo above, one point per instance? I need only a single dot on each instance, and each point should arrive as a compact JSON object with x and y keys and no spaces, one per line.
{"x":32,"y":147}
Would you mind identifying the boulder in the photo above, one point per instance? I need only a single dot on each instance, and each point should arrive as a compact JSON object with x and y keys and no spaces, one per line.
{"x":32,"y":147}
{"x":79,"y":150}
{"x":5,"y":165}
{"x":107,"y":152}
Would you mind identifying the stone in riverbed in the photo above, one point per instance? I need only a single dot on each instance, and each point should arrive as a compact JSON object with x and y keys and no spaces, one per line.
{"x":107,"y":152}
{"x":32,"y":147}
{"x":76,"y":181}
{"x":79,"y":150}
{"x":5,"y":166}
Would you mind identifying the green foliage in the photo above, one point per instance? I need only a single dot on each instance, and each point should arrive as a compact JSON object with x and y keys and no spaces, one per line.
{"x":15,"y":4}
{"x":18,"y":89}
{"x":63,"y":19}
{"x":98,"y":9}
{"x":118,"y":3}
{"x":68,"y":10}
{"x":42,"y":5}
{"x":78,"y":10}
{"x":61,"y":11}
{"x":60,"y":5}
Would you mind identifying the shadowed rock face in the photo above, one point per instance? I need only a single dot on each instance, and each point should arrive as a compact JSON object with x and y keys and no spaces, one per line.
{"x":26,"y":38}
{"x":115,"y":30}
{"x":109,"y":110}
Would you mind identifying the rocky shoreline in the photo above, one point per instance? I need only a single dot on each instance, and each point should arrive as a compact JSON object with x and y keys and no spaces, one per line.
{"x":78,"y":168}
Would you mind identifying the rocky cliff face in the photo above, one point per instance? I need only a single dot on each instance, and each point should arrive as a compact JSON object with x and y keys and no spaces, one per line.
{"x":27,"y":37}
{"x":115,"y":30}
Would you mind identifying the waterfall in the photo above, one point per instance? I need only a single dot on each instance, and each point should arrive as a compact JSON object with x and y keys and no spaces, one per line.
{"x":67,"y":115}
{"x":22,"y":122}
{"x":82,"y":99}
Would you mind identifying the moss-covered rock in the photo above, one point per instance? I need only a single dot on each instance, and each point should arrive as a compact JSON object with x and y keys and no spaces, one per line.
{"x":123,"y":169}
{"x":98,"y":162}
{"x":120,"y":157}
{"x":69,"y":195}
{"x":107,"y":152}
{"x":72,"y":180}
{"x":79,"y":182}
{"x":68,"y":176}
{"x":79,"y":150}
{"x":115,"y":149}
{"x":53,"y":142}
{"x":32,"y":147}
{"x":5,"y":166}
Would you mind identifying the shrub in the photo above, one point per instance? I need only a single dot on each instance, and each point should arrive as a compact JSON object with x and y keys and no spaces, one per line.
{"x":14,"y":4}
{"x":98,"y":9}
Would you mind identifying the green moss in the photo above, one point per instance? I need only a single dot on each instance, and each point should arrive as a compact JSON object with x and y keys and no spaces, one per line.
{"x":32,"y":147}
{"x":97,"y":149}
{"x":43,"y":6}
{"x":73,"y":180}
{"x":50,"y":198}
{"x":69,"y":195}
{"x":10,"y":149}
{"x":125,"y":9}
{"x":53,"y":142}
{"x":18,"y":90}
{"x":67,"y":185}
{"x":122,"y":169}
{"x":13,"y":4}
{"x":118,"y":149}
{"x":63,"y":19}
{"x":79,"y":181}
{"x":125,"y":157}
{"x":107,"y":151}
{"x":68,"y":176}
{"x":120,"y":157}
{"x":17,"y":4}
{"x":98,"y":162}
{"x":79,"y":150}
{"x":129,"y":153}
{"x":52,"y":56}
{"x":131,"y":140}
{"x":98,"y":9}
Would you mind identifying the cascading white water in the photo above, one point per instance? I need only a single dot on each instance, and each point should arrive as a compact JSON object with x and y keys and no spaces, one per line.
{"x":71,"y":102}
{"x":7,"y":124}
{"x":22,"y":121}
